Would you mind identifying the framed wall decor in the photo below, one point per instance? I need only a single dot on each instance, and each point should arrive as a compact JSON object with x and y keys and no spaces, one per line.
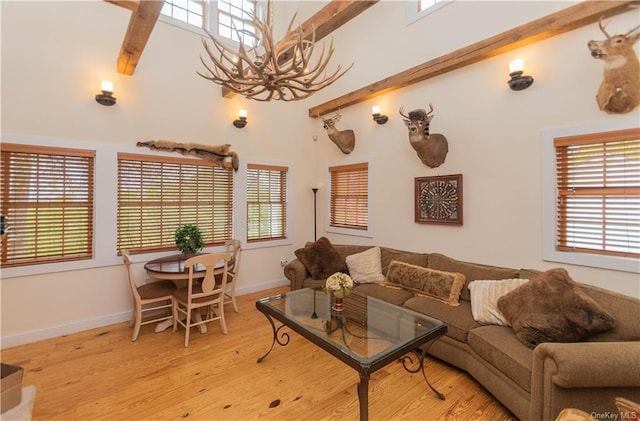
{"x":439,"y":199}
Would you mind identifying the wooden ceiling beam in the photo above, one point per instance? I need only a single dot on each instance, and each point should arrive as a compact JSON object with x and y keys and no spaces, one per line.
{"x":331,"y":17}
{"x":142,"y":21}
{"x":581,"y":14}
{"x":127,"y":4}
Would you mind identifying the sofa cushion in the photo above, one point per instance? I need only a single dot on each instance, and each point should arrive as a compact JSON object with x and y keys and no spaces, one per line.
{"x":551,"y":307}
{"x":321,"y":259}
{"x":391,"y":295}
{"x":388,"y":255}
{"x":471,"y":271}
{"x":366,"y":267}
{"x":484,"y":299}
{"x":458,"y":319}
{"x":435,"y":284}
{"x":501,"y":348}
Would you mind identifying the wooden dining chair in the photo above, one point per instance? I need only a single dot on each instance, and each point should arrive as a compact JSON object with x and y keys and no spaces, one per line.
{"x":234,"y":248}
{"x":206,"y":294}
{"x":153,"y":297}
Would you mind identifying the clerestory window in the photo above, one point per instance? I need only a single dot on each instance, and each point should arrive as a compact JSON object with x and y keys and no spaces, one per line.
{"x":230,"y":19}
{"x":417,"y":9}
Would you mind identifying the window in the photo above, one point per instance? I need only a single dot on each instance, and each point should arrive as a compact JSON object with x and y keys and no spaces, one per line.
{"x":234,"y":18}
{"x":266,"y":202}
{"x":349,"y":196}
{"x":47,"y":197}
{"x":230,"y":19}
{"x":191,"y":12}
{"x":417,"y":9}
{"x":158,"y":194}
{"x":425,"y":4}
{"x":598,"y":193}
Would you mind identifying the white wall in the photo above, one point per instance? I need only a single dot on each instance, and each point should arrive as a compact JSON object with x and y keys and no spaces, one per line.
{"x":55,"y":53}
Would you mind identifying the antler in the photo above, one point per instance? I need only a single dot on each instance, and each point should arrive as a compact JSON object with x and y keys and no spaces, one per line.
{"x":430,"y":109}
{"x":601,"y":26}
{"x":629,"y":33}
{"x":401,"y":111}
{"x":281,"y":70}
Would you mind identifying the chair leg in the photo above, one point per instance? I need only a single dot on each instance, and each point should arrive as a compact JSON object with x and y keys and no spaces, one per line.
{"x":235,"y":304}
{"x":223,"y":323}
{"x":187,"y":327}
{"x":137,"y":314}
{"x":175,"y":315}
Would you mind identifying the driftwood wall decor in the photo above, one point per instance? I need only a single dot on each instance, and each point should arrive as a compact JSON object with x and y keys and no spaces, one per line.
{"x":619,"y":91}
{"x":216,"y":153}
{"x":432,"y":149}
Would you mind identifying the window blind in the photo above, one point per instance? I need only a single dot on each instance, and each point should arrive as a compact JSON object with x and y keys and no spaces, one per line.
{"x":598,"y":193}
{"x":47,"y":197}
{"x":266,"y":202}
{"x":350,"y":196}
{"x":156,"y":195}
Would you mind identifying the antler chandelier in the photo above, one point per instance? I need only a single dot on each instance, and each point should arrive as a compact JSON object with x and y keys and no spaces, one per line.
{"x":270,"y":70}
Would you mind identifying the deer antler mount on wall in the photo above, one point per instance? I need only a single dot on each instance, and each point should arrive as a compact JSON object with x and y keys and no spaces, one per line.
{"x":217,"y":153}
{"x":344,"y":139}
{"x":619,"y":92}
{"x":432,"y":149}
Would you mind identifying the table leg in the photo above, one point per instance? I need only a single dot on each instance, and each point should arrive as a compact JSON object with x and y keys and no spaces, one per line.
{"x":408,"y":360}
{"x":282,"y":341}
{"x":363,"y":393}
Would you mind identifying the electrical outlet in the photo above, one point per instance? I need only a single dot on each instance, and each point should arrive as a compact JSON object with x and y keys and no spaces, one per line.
{"x":283,"y":262}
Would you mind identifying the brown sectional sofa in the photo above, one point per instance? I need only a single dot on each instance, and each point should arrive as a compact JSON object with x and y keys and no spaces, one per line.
{"x":534,"y":384}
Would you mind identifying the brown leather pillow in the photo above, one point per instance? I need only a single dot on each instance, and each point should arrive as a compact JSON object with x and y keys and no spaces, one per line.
{"x":551,"y":307}
{"x":321,"y":259}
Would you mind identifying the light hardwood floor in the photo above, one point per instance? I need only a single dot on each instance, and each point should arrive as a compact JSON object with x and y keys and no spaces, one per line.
{"x":101,"y":375}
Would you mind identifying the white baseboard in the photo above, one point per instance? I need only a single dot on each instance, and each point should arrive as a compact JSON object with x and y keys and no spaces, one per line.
{"x":62,"y":330}
{"x":79,"y":326}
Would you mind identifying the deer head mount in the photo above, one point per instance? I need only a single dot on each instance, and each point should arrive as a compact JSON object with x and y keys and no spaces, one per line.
{"x":619,"y":92}
{"x":432,"y":149}
{"x":217,"y":153}
{"x":344,"y":139}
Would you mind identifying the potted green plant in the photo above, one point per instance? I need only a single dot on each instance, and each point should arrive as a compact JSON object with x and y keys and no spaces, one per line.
{"x":189,"y":239}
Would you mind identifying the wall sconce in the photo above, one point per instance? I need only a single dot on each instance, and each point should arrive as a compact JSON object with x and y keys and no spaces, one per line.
{"x":106,"y":97}
{"x":377,"y":117}
{"x":242,"y":119}
{"x":518,"y":82}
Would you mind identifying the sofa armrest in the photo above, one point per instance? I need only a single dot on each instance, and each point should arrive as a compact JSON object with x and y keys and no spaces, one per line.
{"x":584,"y":375}
{"x":296,"y":272}
{"x":590,"y":364}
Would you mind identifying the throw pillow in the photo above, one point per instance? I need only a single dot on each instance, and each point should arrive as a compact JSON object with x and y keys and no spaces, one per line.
{"x":321,"y":259}
{"x":435,"y":284}
{"x":552,"y":308}
{"x":366,"y":267}
{"x":484,"y":299}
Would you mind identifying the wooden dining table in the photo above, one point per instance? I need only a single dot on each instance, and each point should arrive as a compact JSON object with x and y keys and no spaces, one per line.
{"x":172,"y":268}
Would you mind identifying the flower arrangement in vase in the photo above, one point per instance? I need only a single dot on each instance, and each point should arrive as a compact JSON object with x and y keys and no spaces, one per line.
{"x":189,"y":239}
{"x":340,"y":285}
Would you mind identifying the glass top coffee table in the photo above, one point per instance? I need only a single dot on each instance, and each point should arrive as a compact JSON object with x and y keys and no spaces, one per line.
{"x":366,"y":335}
